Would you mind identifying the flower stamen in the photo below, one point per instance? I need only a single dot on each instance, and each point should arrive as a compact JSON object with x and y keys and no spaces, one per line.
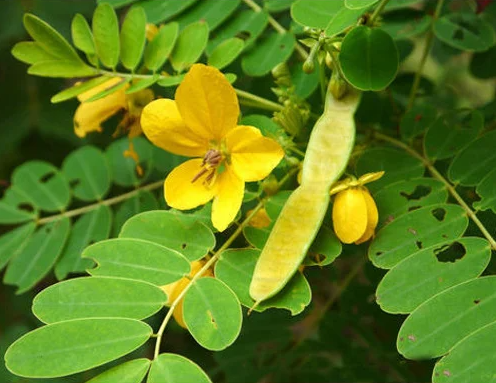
{"x":211,"y":161}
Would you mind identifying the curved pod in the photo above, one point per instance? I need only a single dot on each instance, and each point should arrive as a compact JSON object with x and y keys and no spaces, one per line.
{"x":327,"y":155}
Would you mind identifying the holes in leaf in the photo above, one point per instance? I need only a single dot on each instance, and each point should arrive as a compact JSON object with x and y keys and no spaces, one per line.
{"x":476,"y":301}
{"x":439,"y":214}
{"x":379,"y":253}
{"x":412,"y":231}
{"x":412,"y":208}
{"x":183,"y":246}
{"x":25,"y":207}
{"x":47,"y":177}
{"x":243,"y":35}
{"x":418,"y":244}
{"x":450,"y":253}
{"x":420,"y":192}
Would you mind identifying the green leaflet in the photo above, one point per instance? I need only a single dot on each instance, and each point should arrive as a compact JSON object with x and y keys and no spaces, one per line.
{"x":416,"y":230}
{"x":76,"y":90}
{"x":401,"y":197}
{"x":133,"y":37}
{"x":416,"y":120}
{"x":106,"y":34}
{"x":158,"y":11}
{"x":212,"y":12}
{"x":430,"y":271}
{"x":92,"y":227}
{"x":82,"y":37}
{"x":38,"y":256}
{"x":61,"y":68}
{"x":16,"y":206}
{"x":212,"y":313}
{"x":175,"y":231}
{"x":444,"y":320}
{"x":315,"y":13}
{"x":88,"y":172}
{"x":46,"y":187}
{"x":98,"y":297}
{"x":74,"y":346}
{"x":189,"y":46}
{"x":380,"y":65}
{"x":358,"y":4}
{"x":235,"y":268}
{"x":137,"y":259}
{"x":176,"y":368}
{"x":159,"y":49}
{"x":130,"y":372}
{"x":31,"y":52}
{"x":226,"y":52}
{"x":270,"y":51}
{"x":13,"y":242}
{"x":457,"y":368}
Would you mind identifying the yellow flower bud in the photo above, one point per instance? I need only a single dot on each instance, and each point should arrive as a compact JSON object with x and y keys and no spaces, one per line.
{"x":354,"y":215}
{"x":174,"y":289}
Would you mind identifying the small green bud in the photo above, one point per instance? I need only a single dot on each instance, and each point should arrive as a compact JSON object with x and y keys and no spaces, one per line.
{"x":308,"y":66}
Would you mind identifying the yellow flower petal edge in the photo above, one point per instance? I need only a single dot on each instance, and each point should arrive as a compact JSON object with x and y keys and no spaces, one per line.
{"x":207,"y":102}
{"x":164,"y":127}
{"x":253,"y":156}
{"x":372,"y":217}
{"x":228,"y":199}
{"x":349,"y":215}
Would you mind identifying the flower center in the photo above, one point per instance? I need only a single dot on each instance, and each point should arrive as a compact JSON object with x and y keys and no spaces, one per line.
{"x":212,"y":159}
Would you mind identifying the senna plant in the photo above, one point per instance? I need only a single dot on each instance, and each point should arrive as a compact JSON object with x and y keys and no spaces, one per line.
{"x":268,"y":180}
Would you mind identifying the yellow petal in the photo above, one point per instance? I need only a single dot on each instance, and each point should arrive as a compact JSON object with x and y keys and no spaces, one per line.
{"x":181,"y":193}
{"x":111,"y":82}
{"x":253,"y":156}
{"x":260,"y":220}
{"x":90,"y":115}
{"x":228,"y":199}
{"x":163,"y":125}
{"x":349,"y":215}
{"x":372,"y":217}
{"x":207,"y":102}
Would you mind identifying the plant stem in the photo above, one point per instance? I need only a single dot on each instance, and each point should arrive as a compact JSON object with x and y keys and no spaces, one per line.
{"x":257,"y":101}
{"x":278,"y":27}
{"x":377,"y":11}
{"x":427,"y":49}
{"x":212,"y":260}
{"x":435,"y":173}
{"x":106,"y":202}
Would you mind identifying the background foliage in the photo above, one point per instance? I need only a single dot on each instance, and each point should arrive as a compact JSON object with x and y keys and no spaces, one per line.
{"x":425,"y":262}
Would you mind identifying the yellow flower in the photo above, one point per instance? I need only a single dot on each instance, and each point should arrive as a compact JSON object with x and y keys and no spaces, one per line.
{"x":174,"y":289}
{"x":354,"y":212}
{"x":260,"y":220}
{"x":202,"y":123}
{"x":89,"y":116}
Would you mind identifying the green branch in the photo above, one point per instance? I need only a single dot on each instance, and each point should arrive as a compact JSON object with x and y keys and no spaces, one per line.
{"x":106,"y":202}
{"x":427,"y":49}
{"x":435,"y":173}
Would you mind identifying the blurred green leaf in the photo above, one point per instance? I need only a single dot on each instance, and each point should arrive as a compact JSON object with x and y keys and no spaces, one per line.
{"x":226,"y":52}
{"x":143,"y":201}
{"x":470,"y":165}
{"x":213,"y":13}
{"x":30,"y":52}
{"x":91,"y":227}
{"x":98,"y":297}
{"x":481,"y":65}
{"x":74,"y":346}
{"x":406,"y":23}
{"x":49,"y":39}
{"x":13,"y":242}
{"x":398,"y":166}
{"x":175,"y":231}
{"x":159,"y":49}
{"x":305,"y":83}
{"x":38,"y":255}
{"x":117,"y":3}
{"x":175,"y":368}
{"x":277,"y":5}
{"x":235,"y":268}
{"x":315,"y":13}
{"x":82,"y":37}
{"x":45,"y":185}
{"x":77,"y":89}
{"x":416,"y":230}
{"x":417,"y":120}
{"x":342,"y":19}
{"x":445,"y":319}
{"x":465,"y":31}
{"x":451,"y":132}
{"x":170,"y":81}
{"x":133,"y":37}
{"x":189,"y":46}
{"x":359,"y":4}
{"x":212,"y":313}
{"x":88,"y":173}
{"x":427,"y":272}
{"x":271,"y":50}
{"x":486,"y":190}
{"x":130,"y":372}
{"x":379,"y":68}
{"x":106,"y":35}
{"x":155,"y":264}
{"x":161,"y":10}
